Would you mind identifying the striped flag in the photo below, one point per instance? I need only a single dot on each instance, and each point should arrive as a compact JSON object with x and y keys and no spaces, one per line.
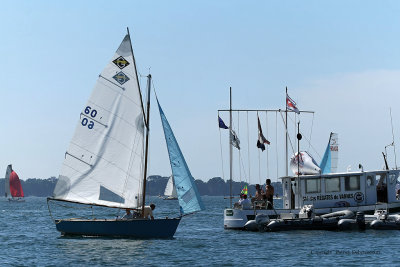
{"x":291,"y":105}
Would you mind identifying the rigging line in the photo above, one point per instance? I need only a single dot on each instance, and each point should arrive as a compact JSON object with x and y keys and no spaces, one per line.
{"x":295,"y":123}
{"x":139,"y":80}
{"x":57,"y":203}
{"x":309,"y":141}
{"x":313,"y":148}
{"x":220,"y":146}
{"x":276,"y":145}
{"x":312,"y":124}
{"x":240,"y":169}
{"x":290,"y":141}
{"x":259,"y":163}
{"x":394,"y":146}
{"x":244,"y":170}
{"x":266,"y":129}
{"x":259,"y":167}
{"x":248,"y":144}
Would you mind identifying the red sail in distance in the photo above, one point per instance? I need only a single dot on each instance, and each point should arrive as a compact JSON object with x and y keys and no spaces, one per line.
{"x":15,"y":185}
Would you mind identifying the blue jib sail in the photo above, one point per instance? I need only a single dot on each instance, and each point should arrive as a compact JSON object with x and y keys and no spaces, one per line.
{"x":327,"y":158}
{"x":188,"y":195}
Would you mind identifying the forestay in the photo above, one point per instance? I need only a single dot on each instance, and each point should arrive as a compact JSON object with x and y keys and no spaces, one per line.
{"x":104,"y":162}
{"x":188,"y":195}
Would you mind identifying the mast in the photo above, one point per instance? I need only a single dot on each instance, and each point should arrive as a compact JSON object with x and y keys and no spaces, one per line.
{"x":137,"y":79}
{"x":146,"y":118}
{"x":286,"y":143}
{"x":147,"y":142}
{"x":299,"y":137}
{"x":230,"y":146}
{"x":298,"y":148}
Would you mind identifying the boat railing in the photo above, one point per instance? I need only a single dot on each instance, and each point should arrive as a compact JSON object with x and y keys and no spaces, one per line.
{"x":263,"y":205}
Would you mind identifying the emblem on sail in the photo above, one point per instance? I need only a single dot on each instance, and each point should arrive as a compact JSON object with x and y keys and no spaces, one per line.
{"x":121,"y":78}
{"x":121,"y":62}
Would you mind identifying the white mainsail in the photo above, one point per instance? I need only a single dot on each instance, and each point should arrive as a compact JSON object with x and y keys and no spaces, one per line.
{"x":104,"y":163}
{"x":7,"y":181}
{"x":170,"y":190}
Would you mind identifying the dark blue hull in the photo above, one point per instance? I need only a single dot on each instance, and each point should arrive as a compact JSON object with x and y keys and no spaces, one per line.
{"x":137,"y":228}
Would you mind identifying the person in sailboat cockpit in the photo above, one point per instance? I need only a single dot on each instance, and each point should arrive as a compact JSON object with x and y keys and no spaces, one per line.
{"x":148,"y":211}
{"x":128,"y":215}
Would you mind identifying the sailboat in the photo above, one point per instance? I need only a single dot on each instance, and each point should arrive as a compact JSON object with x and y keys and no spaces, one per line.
{"x":170,"y":190}
{"x":13,"y":188}
{"x":106,"y":162}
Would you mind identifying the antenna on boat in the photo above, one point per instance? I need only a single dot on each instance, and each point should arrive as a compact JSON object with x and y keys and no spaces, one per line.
{"x":394,"y":146}
{"x":386,"y":164}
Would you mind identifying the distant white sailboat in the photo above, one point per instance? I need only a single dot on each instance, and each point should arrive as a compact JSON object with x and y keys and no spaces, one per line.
{"x":170,"y":190}
{"x":106,"y":162}
{"x":13,"y":187}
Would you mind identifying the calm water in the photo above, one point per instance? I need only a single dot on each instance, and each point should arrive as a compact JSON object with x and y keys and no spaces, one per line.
{"x":28,"y":237}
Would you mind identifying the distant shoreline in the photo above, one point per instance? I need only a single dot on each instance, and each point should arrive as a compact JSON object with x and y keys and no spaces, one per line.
{"x":155,"y":186}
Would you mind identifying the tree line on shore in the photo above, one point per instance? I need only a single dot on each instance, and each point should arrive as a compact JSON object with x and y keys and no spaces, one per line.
{"x":155,"y":186}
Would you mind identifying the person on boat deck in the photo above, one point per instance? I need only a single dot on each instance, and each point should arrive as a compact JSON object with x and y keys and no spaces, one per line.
{"x":269,"y":193}
{"x":128,"y":215}
{"x":245,"y":202}
{"x":148,"y":211}
{"x":259,"y":193}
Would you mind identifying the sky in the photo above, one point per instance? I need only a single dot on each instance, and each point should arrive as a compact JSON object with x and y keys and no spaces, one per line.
{"x":340,"y":59}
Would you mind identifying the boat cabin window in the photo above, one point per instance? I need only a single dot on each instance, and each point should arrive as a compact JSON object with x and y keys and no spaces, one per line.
{"x":332,"y":184}
{"x":352,"y":183}
{"x":313,"y":185}
{"x":392,"y":178}
{"x":370,"y":180}
{"x":381,"y":180}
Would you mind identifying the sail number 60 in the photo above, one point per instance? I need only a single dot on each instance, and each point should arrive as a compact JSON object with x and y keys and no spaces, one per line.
{"x":87,"y":122}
